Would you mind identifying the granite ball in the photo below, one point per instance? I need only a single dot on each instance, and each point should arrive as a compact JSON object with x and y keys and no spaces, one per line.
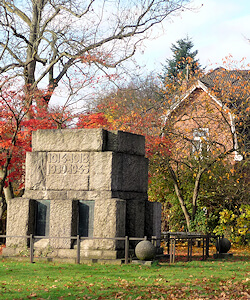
{"x":145,"y":250}
{"x":223,"y":245}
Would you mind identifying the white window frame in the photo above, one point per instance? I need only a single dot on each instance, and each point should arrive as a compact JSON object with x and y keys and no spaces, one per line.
{"x":199,"y":136}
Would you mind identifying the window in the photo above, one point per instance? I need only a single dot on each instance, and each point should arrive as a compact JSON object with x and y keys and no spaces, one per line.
{"x":42,"y":217}
{"x":200,"y":141}
{"x":86,"y":218}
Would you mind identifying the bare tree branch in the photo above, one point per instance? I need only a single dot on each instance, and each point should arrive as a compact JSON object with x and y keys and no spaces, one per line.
{"x":57,"y":34}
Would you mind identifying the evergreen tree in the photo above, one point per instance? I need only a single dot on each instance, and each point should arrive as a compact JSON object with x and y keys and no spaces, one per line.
{"x":183,"y":64}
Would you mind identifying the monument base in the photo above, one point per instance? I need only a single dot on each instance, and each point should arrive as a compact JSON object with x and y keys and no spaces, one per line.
{"x":64,"y":253}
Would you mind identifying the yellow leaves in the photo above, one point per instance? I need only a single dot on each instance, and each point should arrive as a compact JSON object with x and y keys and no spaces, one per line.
{"x":243,"y":231}
{"x":226,"y":216}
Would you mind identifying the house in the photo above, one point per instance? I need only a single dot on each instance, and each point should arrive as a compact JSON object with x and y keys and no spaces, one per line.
{"x":212,"y":115}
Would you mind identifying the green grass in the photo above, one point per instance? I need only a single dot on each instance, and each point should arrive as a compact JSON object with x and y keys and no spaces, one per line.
{"x":212,"y":279}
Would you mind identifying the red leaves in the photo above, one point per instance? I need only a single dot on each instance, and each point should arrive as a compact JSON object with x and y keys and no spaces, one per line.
{"x":146,"y":124}
{"x":18,"y":118}
{"x":96,"y":120}
{"x":157,"y":145}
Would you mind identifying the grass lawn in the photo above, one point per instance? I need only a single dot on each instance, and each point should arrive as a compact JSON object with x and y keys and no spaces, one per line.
{"x":211,"y":279}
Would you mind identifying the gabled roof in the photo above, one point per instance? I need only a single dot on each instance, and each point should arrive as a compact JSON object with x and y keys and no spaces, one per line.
{"x":233,"y":77}
{"x":232,"y":84}
{"x":223,"y":86}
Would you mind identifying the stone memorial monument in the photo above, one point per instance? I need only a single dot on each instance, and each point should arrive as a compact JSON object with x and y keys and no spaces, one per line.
{"x":90,"y":182}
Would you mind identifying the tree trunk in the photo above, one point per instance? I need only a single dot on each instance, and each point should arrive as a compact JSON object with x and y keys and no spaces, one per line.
{"x":196,"y":193}
{"x":8,"y":194}
{"x":179,"y":194}
{"x":183,"y":206}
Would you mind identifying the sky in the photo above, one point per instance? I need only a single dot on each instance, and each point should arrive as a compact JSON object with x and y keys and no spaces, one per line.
{"x":217,"y":28}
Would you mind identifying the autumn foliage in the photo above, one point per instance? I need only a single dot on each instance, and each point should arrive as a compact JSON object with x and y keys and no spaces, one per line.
{"x":195,"y":176}
{"x":18,"y":118}
{"x":136,"y":122}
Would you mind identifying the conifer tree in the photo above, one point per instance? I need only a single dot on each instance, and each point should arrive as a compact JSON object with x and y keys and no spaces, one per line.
{"x":183,"y":64}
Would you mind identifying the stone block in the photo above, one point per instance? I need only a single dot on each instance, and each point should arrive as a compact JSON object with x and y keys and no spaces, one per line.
{"x":100,"y":171}
{"x":126,"y":142}
{"x":134,"y":173}
{"x":88,"y":195}
{"x":135,"y":215}
{"x":77,"y":195}
{"x":62,"y":219}
{"x":91,"y":253}
{"x":109,"y":222}
{"x":41,"y":243}
{"x":9,"y":251}
{"x":18,"y":218}
{"x":153,"y":220}
{"x":68,"y":140}
{"x":118,"y":172}
{"x":35,"y":178}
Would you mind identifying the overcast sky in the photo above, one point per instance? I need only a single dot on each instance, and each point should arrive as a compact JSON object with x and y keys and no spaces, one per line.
{"x":217,"y":28}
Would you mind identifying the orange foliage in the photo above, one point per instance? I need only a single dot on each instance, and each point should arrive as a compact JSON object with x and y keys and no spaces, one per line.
{"x":147,"y":124}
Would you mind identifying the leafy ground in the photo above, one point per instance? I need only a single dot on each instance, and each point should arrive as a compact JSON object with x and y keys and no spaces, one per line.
{"x":211,"y":279}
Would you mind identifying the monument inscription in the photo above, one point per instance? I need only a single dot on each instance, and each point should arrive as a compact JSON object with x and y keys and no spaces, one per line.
{"x":67,"y":170}
{"x":67,"y":163}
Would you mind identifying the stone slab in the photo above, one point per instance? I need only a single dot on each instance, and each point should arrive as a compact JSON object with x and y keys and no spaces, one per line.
{"x":35,"y":177}
{"x":130,"y":195}
{"x":45,"y":195}
{"x":68,"y":140}
{"x":135,"y":218}
{"x":153,"y":220}
{"x":126,"y":142}
{"x":134,"y":173}
{"x":62,"y":217}
{"x":118,"y":172}
{"x":101,"y":171}
{"x":71,"y":195}
{"x":95,"y":139}
{"x":99,"y":254}
{"x":18,"y":218}
{"x":109,"y":222}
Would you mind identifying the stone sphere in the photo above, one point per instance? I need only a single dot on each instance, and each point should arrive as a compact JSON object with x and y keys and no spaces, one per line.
{"x":223,"y":245}
{"x":145,"y":250}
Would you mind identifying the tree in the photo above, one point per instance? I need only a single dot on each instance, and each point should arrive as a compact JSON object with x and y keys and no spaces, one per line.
{"x":136,"y":108}
{"x":48,"y":42}
{"x":192,"y":171}
{"x":140,"y":94}
{"x":183,"y":65}
{"x":15,"y":135}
